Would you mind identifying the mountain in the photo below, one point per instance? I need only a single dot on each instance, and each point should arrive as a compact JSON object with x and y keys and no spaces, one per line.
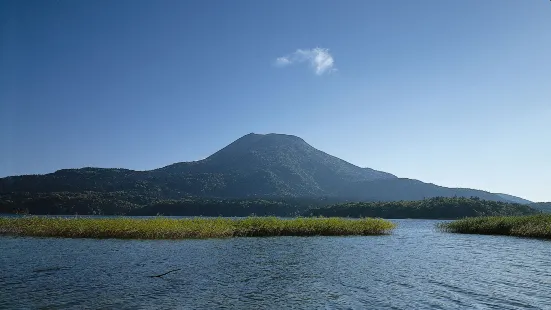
{"x":272,"y":166}
{"x":255,"y":165}
{"x":514,"y":199}
{"x":275,"y":165}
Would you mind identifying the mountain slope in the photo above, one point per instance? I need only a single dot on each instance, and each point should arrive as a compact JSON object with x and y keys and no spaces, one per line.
{"x":271,"y":165}
{"x":253,"y":166}
{"x":276,"y":165}
{"x":514,"y":199}
{"x":407,"y":189}
{"x":542,"y":206}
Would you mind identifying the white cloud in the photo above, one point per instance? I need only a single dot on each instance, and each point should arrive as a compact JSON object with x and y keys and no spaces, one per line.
{"x":319,"y":58}
{"x":282,"y":61}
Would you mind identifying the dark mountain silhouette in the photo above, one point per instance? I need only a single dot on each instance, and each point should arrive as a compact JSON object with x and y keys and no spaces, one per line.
{"x":269,"y":165}
{"x":272,"y":166}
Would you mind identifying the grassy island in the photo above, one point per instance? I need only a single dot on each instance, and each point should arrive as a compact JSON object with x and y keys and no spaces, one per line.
{"x":191,"y":228}
{"x":535,"y":226}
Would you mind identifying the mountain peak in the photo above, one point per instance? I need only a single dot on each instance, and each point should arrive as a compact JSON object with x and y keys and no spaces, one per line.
{"x":254,"y":142}
{"x":285,"y":163}
{"x":272,"y":137}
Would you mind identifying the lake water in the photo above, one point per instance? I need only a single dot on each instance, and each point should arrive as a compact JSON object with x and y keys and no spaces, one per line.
{"x":416,"y":267}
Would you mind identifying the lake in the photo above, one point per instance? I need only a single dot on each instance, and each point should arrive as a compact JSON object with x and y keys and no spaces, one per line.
{"x":417,"y":267}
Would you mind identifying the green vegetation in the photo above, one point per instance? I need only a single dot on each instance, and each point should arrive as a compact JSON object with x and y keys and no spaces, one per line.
{"x":231,"y":207}
{"x":165,"y":228}
{"x":123,"y":203}
{"x":536,"y":226}
{"x":433,"y":208}
{"x":113,"y":203}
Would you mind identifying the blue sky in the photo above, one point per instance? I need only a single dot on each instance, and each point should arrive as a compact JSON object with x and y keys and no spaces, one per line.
{"x":456,"y":93}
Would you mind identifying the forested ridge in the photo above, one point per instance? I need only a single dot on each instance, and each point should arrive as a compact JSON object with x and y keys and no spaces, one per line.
{"x":433,"y":208}
{"x":120,"y":203}
{"x":123,"y":203}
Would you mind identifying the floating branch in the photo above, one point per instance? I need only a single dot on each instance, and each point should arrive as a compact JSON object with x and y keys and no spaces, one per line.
{"x":50,"y":269}
{"x":160,"y":275}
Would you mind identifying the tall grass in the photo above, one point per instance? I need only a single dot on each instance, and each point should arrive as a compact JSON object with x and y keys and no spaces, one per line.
{"x":536,"y":226}
{"x":166,"y":228}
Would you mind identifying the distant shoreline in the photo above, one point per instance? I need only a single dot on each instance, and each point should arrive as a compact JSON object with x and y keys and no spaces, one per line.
{"x":431,"y":208}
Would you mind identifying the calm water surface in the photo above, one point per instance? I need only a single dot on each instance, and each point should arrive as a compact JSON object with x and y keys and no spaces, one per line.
{"x":415,"y":268}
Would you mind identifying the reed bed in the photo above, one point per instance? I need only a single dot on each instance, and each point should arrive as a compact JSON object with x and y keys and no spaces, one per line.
{"x":190,"y":228}
{"x":535,"y":226}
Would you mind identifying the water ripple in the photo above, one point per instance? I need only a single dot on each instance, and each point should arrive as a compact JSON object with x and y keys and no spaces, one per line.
{"x":415,"y":268}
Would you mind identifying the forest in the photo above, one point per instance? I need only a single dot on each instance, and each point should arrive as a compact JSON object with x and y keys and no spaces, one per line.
{"x":432,"y":208}
{"x":127,"y":203}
